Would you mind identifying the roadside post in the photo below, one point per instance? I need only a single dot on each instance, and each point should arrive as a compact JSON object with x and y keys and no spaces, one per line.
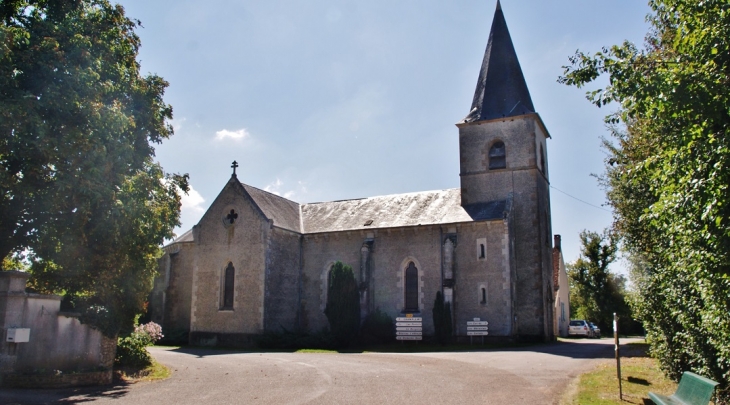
{"x":618,"y":356}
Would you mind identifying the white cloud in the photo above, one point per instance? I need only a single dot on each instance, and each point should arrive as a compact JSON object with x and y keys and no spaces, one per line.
{"x":177,"y":124}
{"x":235,"y":135}
{"x":274,"y":188}
{"x":192,"y":202}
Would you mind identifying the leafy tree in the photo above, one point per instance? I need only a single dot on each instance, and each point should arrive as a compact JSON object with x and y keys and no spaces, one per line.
{"x":442,"y":321}
{"x":78,"y":185}
{"x":667,"y":177}
{"x":343,"y":304}
{"x":595,"y":292}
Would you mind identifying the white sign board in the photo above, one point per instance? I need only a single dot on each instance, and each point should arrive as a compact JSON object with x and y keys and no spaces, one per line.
{"x":401,"y":333}
{"x":408,"y":324}
{"x":409,"y":319}
{"x":409,"y":329}
{"x":482,"y":323}
{"x":477,"y":333}
{"x":18,"y":335}
{"x":409,"y":337}
{"x":477,"y":328}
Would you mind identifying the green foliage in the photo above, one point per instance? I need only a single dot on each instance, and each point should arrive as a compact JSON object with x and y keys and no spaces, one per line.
{"x":14,"y":262}
{"x":343,"y":304}
{"x":80,"y":189}
{"x":668,"y":176}
{"x":595,"y":292}
{"x":442,"y":321}
{"x":132,"y":352}
{"x":377,"y":328}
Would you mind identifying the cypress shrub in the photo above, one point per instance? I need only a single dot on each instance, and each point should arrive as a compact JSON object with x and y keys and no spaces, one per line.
{"x":442,"y":319}
{"x":343,"y":304}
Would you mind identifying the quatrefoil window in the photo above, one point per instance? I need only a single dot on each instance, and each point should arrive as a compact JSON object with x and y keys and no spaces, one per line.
{"x":231,"y":217}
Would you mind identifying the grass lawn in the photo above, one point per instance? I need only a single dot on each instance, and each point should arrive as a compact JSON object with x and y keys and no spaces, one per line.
{"x":156,"y":371}
{"x":639,"y":375}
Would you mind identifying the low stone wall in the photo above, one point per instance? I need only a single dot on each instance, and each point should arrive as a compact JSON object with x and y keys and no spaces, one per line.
{"x":59,"y":351}
{"x":55,"y":380}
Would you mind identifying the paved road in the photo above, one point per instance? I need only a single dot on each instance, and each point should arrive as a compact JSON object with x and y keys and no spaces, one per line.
{"x":534,"y":375}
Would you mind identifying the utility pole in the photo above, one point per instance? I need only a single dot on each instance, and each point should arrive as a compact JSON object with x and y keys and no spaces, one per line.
{"x":618,"y":356}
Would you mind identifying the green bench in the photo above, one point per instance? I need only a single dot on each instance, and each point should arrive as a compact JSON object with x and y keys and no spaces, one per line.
{"x":693,"y":389}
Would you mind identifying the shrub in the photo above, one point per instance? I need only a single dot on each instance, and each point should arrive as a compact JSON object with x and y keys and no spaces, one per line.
{"x":152,"y":330}
{"x":442,"y":322}
{"x":343,"y":304}
{"x":131,"y":350}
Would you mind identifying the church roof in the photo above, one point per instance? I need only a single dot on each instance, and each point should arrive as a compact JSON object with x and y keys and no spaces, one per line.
{"x":501,"y":89}
{"x":389,"y":211}
{"x":186,"y":237}
{"x":285,"y":213}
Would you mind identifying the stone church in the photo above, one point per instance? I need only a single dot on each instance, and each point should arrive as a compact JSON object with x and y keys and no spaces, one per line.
{"x":258,"y":262}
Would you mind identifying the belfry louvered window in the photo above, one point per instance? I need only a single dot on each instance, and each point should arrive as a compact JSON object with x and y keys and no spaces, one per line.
{"x":497,"y":156}
{"x":228,"y":283}
{"x":411,"y":288}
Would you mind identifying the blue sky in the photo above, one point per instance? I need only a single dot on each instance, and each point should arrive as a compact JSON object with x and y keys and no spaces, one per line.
{"x":325,"y":100}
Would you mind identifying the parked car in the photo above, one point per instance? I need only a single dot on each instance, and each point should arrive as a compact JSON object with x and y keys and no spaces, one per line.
{"x":579,"y":327}
{"x":596,"y":330}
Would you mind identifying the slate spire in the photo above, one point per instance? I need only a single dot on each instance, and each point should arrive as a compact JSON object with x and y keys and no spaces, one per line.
{"x":501,"y":90}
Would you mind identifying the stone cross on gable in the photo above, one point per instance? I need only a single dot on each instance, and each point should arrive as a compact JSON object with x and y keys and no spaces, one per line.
{"x":234,"y":166}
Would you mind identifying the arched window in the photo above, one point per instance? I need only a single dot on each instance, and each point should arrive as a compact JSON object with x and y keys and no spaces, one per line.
{"x":229,"y":277}
{"x":411,"y":288}
{"x":482,"y":294}
{"x":497,"y":156}
{"x":542,"y":159}
{"x":325,"y":282}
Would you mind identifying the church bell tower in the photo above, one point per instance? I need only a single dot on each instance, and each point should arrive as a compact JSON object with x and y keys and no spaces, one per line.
{"x":503,"y":156}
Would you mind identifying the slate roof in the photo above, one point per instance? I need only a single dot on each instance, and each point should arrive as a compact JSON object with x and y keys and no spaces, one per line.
{"x":186,"y":237}
{"x":501,"y":88}
{"x":388,"y":211}
{"x":411,"y":209}
{"x":285,"y":213}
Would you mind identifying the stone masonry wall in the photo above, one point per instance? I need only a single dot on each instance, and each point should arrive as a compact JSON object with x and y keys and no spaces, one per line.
{"x":243,"y":244}
{"x":282,"y":281}
{"x":393,"y":249}
{"x":523,"y":181}
{"x":320,"y":252}
{"x":492,"y":272}
{"x":180,"y":288}
{"x":171,"y":296}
